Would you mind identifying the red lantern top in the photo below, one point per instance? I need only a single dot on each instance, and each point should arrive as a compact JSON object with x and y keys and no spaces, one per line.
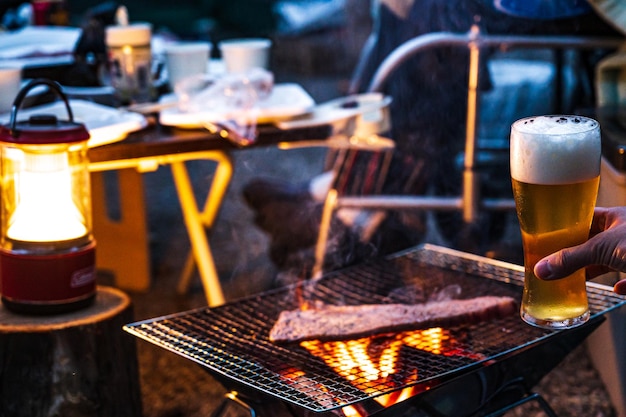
{"x":42,"y":129}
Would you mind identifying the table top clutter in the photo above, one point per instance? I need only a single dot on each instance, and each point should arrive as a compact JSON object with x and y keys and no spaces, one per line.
{"x":47,"y":52}
{"x":143,"y":138}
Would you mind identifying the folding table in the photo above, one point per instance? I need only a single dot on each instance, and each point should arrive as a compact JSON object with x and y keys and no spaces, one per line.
{"x":123,"y":244}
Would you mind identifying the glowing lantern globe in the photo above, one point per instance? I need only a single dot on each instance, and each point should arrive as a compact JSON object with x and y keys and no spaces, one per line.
{"x":47,"y":250}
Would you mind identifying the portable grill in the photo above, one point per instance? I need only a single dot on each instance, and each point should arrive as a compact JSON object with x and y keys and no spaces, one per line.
{"x":465,"y":370}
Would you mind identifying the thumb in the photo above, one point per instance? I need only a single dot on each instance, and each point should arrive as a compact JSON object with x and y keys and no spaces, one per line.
{"x":564,"y":262}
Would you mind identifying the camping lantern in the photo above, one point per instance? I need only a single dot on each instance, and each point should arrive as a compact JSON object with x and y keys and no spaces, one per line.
{"x":47,"y":250}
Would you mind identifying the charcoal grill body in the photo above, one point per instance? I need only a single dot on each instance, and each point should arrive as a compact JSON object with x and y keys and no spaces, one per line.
{"x":482,"y":368}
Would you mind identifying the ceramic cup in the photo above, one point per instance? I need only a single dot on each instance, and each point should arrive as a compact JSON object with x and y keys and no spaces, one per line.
{"x":241,"y":55}
{"x":185,"y":59}
{"x":10,"y":83}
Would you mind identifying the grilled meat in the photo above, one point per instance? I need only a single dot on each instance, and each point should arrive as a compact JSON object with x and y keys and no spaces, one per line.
{"x":346,"y":322}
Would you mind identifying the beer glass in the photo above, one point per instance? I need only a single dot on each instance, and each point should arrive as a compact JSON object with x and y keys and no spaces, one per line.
{"x":555,"y":172}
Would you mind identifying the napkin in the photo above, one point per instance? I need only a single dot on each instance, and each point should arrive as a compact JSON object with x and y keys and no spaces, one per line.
{"x":31,"y":42}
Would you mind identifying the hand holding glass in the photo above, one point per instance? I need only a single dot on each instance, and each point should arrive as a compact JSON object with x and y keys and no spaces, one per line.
{"x":555,"y":171}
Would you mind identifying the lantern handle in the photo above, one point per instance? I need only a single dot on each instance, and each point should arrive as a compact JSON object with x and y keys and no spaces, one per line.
{"x":33,"y":83}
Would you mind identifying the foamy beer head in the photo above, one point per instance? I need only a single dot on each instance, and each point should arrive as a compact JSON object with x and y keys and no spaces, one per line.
{"x":555,"y":149}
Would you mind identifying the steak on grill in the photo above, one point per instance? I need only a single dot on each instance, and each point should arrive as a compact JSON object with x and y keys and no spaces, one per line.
{"x":345,"y":322}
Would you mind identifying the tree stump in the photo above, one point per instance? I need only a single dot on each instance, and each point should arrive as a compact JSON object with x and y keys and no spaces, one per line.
{"x":76,"y":364}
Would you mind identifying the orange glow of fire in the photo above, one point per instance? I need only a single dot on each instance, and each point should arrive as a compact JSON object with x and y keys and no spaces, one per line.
{"x":372,"y":363}
{"x":396,"y":397}
{"x":371,"y":359}
{"x":351,"y":360}
{"x":293,"y":373}
{"x":350,"y":411}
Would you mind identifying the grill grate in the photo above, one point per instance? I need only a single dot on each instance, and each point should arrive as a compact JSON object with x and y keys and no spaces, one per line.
{"x":232,"y":340}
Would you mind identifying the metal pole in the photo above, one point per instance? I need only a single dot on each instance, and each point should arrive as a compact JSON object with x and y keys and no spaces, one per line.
{"x":471,"y":180}
{"x":437,"y":39}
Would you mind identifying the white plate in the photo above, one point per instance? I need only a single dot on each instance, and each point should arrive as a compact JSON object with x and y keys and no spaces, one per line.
{"x":285,"y":101}
{"x":105,"y":124}
{"x":338,"y":110}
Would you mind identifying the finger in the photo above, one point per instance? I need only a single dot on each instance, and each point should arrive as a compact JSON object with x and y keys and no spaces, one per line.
{"x":620,"y":287}
{"x":599,"y":222}
{"x":564,"y":262}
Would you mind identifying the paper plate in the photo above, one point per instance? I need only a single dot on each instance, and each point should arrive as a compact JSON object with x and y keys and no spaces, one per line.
{"x":339,"y":109}
{"x":285,"y":101}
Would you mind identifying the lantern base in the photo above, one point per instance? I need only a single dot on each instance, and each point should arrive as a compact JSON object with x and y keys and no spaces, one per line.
{"x":48,"y":284}
{"x":45,"y":308}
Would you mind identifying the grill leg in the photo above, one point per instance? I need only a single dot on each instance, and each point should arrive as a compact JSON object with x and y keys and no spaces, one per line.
{"x":531,"y":397}
{"x":233,"y":406}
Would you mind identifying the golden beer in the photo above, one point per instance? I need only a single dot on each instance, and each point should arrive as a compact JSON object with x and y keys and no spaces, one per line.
{"x":555,"y":167}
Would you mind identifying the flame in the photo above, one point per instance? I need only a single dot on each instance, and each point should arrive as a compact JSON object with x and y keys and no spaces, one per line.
{"x":293,"y":373}
{"x":350,"y":411}
{"x":430,"y":340}
{"x":372,"y":364}
{"x":351,"y":359}
{"x":387,"y":400}
{"x":375,"y":359}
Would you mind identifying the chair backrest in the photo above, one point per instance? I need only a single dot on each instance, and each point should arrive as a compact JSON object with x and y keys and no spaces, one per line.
{"x":359,"y":172}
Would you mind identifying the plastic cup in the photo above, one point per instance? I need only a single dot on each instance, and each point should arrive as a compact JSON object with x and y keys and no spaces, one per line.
{"x":242,"y":55}
{"x":186,"y":59}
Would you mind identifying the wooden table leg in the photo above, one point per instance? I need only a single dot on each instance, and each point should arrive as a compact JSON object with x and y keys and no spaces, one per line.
{"x":197,"y":223}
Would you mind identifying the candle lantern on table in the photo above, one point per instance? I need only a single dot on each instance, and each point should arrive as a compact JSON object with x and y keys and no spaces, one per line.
{"x":47,"y":249}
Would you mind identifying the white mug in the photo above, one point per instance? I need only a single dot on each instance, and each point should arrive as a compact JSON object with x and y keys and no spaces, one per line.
{"x":185,"y":59}
{"x":241,"y":55}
